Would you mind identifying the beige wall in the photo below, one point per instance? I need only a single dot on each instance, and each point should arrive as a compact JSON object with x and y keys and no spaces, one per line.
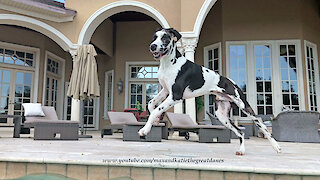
{"x":132,"y":44}
{"x":233,"y":20}
{"x":180,"y":14}
{"x":103,"y":37}
{"x":189,"y":12}
{"x":170,"y":9}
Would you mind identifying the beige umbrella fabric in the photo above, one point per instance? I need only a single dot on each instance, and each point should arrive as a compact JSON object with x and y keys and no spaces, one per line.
{"x":84,"y":82}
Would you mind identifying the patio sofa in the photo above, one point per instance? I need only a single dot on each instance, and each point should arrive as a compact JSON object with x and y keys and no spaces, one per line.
{"x":183,"y":123}
{"x":296,"y":126}
{"x":130,"y":127}
{"x":49,"y":127}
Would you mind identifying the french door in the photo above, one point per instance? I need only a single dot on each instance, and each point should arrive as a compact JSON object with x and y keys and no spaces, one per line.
{"x":269,"y":73}
{"x":142,"y":92}
{"x":16,"y":88}
{"x":89,"y":110}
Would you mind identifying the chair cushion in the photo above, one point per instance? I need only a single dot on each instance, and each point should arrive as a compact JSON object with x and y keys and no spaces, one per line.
{"x":33,"y":109}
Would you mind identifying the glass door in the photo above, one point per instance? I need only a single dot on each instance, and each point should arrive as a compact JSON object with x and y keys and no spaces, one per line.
{"x":143,"y":93}
{"x":89,"y":110}
{"x":16,"y":88}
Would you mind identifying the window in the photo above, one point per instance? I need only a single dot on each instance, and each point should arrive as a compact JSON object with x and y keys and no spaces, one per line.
{"x":289,"y":78}
{"x":142,"y":72}
{"x":141,"y":83}
{"x":262,"y":57}
{"x":108,"y":100}
{"x":15,"y":57}
{"x":54,"y":82}
{"x":253,"y":66}
{"x":312,"y":75}
{"x":238,"y":70}
{"x":212,"y":60}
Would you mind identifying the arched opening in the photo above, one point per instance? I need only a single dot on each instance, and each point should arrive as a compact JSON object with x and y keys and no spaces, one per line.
{"x":122,"y":6}
{"x":122,"y":43}
{"x":36,"y":25}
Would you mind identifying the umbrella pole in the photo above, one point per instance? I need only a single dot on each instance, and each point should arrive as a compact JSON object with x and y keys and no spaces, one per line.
{"x":82,"y":134}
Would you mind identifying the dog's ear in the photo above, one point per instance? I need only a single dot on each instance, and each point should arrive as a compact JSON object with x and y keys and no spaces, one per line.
{"x":159,"y":29}
{"x":175,"y":33}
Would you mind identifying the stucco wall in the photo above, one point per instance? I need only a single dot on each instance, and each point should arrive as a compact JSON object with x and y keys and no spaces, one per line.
{"x":103,"y":37}
{"x":180,"y":14}
{"x":170,"y":9}
{"x":131,"y":44}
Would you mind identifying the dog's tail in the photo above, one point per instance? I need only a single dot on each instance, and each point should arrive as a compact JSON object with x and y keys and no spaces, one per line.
{"x":247,"y":108}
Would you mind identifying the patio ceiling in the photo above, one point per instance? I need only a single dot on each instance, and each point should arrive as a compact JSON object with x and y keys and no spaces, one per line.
{"x":40,"y":9}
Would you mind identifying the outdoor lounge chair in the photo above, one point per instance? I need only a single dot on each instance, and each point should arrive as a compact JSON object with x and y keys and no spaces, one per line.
{"x":247,"y":129}
{"x":183,"y":123}
{"x":50,"y":128}
{"x":130,"y":127}
{"x":296,"y":126}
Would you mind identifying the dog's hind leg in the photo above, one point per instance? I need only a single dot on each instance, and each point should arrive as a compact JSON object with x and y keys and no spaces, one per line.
{"x":258,"y":122}
{"x":223,"y":113}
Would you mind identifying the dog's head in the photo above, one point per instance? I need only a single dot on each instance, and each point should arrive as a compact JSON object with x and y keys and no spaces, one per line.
{"x":163,"y":42}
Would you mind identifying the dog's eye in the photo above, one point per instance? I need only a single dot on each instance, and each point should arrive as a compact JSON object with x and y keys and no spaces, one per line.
{"x":154,"y":38}
{"x":166,"y":38}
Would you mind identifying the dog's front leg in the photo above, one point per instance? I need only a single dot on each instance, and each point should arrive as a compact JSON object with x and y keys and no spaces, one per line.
{"x":165,"y":105}
{"x":153,"y":102}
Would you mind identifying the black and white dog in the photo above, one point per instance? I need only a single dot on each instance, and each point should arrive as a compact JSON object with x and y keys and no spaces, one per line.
{"x":182,"y":79}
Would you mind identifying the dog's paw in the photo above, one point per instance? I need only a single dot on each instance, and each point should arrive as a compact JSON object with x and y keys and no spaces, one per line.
{"x":156,"y":122}
{"x":275,"y":145}
{"x":239,"y":153}
{"x":144,"y":131}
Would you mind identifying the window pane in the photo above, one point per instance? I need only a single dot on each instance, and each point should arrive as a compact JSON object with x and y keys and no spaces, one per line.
{"x":238,"y":68}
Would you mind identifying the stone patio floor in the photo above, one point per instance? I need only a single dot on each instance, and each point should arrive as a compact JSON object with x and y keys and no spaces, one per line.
{"x":296,"y":158}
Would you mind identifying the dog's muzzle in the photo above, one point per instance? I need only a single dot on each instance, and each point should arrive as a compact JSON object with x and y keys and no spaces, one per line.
{"x":157,"y":54}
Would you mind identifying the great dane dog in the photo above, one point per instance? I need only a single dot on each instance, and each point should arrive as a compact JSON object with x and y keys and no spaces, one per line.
{"x":183,"y":79}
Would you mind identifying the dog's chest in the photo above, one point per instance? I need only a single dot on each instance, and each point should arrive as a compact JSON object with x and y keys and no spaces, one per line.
{"x":167,"y":76}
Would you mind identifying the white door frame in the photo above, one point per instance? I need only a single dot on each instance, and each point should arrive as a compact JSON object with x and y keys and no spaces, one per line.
{"x":316,"y":69}
{"x":61,"y":92}
{"x":106,"y":82}
{"x":206,"y":64}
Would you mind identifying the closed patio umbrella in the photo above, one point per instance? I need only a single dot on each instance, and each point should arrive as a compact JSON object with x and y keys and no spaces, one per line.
{"x":84,"y":82}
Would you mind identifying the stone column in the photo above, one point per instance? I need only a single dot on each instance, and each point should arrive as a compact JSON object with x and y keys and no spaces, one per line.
{"x":178,"y":108}
{"x":75,"y":103}
{"x":189,"y":45}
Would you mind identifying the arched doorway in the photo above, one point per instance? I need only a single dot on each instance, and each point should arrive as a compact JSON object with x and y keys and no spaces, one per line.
{"x":122,"y":6}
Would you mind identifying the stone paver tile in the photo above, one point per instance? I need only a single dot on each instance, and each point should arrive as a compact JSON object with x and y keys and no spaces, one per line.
{"x":236,"y":176}
{"x":16,"y":170}
{"x":187,"y":174}
{"x":141,"y":173}
{"x":97,"y":172}
{"x":78,"y":172}
{"x":168,"y":174}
